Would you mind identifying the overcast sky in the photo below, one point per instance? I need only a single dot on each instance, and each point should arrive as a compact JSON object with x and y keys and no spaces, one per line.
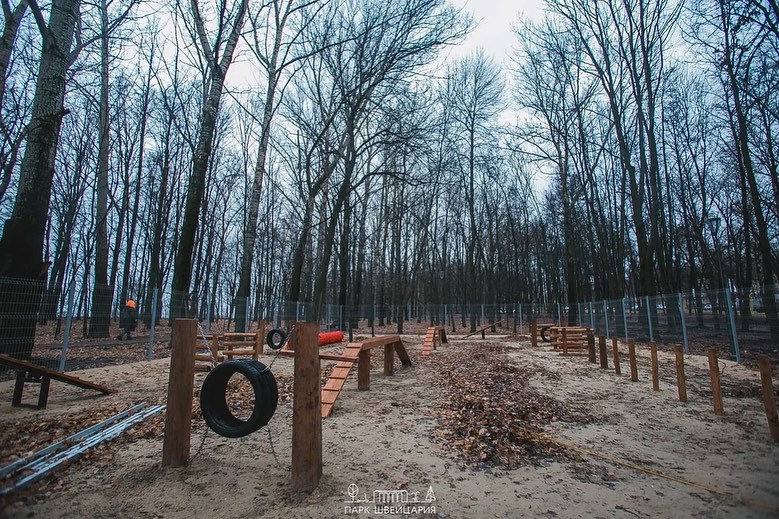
{"x":493,"y":19}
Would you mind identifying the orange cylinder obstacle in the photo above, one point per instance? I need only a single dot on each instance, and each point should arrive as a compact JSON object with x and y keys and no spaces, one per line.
{"x":330,"y":338}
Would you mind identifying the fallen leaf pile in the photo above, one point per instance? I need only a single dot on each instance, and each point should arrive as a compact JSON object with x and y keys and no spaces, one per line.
{"x":489,"y":416}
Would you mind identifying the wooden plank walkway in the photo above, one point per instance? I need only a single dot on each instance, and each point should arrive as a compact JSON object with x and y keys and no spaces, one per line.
{"x":335,"y":383}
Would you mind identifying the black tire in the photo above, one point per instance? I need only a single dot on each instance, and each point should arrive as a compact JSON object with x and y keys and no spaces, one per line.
{"x":275,"y":339}
{"x":213,"y":401}
{"x":544,"y":337}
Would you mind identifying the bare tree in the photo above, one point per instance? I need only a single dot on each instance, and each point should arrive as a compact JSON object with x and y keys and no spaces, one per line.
{"x":217,"y":56}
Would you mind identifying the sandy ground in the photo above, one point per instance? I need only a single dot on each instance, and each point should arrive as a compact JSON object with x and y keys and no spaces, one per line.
{"x":383,"y":439}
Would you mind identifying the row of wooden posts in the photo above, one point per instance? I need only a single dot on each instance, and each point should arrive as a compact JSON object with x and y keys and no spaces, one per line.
{"x":714,"y":372}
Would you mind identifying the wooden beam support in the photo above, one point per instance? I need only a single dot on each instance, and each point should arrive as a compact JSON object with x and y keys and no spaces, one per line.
{"x":389,"y":359}
{"x":632,"y":357}
{"x":615,"y":353}
{"x":769,"y":402}
{"x":306,"y":410}
{"x":604,"y":358}
{"x":181,"y":385}
{"x":716,"y":391}
{"x":591,"y":346}
{"x":655,"y":367}
{"x":364,"y":370}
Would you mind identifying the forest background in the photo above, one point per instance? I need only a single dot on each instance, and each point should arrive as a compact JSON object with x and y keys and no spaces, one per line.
{"x":228,"y":158}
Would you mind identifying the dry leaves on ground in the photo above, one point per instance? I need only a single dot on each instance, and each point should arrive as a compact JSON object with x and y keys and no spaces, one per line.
{"x":490,"y":416}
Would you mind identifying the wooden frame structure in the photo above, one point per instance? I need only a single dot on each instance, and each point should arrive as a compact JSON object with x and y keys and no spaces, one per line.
{"x":27,"y":372}
{"x":226,"y":346}
{"x":570,"y":340}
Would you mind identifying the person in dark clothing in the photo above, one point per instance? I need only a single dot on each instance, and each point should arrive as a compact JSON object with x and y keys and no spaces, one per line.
{"x":128,"y":319}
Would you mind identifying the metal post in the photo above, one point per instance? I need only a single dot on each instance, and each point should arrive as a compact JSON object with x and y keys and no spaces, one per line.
{"x":150,"y":347}
{"x":592,"y":317}
{"x":247,"y":316}
{"x":481,"y":323}
{"x":208,"y":313}
{"x":579,"y":313}
{"x":684,"y":323}
{"x":68,"y":321}
{"x":732,"y":323}
{"x":297,"y":311}
{"x":649,"y":319}
{"x":520,"y":317}
{"x":606,"y":317}
{"x":625,"y":319}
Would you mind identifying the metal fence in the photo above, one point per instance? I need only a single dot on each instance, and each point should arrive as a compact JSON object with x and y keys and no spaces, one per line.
{"x":79,"y":329}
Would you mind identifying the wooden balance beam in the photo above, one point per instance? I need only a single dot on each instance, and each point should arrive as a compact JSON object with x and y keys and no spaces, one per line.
{"x":43,"y":376}
{"x":482,"y":330}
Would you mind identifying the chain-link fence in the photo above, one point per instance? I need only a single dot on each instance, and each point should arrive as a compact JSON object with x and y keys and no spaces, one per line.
{"x":77,"y":328}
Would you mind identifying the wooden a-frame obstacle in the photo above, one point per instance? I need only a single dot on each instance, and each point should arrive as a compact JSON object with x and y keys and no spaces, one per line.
{"x":435,"y":335}
{"x":482,"y":330}
{"x":43,"y":376}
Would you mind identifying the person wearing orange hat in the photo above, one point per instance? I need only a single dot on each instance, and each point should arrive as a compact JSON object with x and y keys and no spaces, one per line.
{"x":128,"y":319}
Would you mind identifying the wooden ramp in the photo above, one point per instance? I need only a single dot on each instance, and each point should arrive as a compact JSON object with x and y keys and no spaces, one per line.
{"x":435,"y":335}
{"x":360,"y":353}
{"x":335,"y":383}
{"x":43,"y":377}
{"x":483,"y":329}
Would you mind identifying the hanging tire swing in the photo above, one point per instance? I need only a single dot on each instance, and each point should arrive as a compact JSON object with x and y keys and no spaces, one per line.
{"x":544,"y":336}
{"x":276,"y":339}
{"x":213,"y":398}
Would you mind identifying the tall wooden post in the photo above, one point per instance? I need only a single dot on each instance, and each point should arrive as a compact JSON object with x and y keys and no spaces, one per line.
{"x":181,"y":385}
{"x":716,"y":391}
{"x":533,"y":333}
{"x":655,"y":367}
{"x":768,"y":396}
{"x":632,"y":358}
{"x":681,"y":382}
{"x":615,"y":353}
{"x":591,"y":346}
{"x":604,"y":359}
{"x":306,"y":410}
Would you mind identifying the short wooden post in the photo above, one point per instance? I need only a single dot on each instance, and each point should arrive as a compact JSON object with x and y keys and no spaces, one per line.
{"x":364,"y":370}
{"x":766,"y":380}
{"x":259,"y":347}
{"x":389,"y":359}
{"x":716,"y":391}
{"x":591,"y":346}
{"x":680,"y":378}
{"x":181,"y":385}
{"x":306,"y":410}
{"x":604,"y":359}
{"x":632,"y":358}
{"x":533,"y":333}
{"x":615,"y":353}
{"x":564,"y":339}
{"x":655,"y":368}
